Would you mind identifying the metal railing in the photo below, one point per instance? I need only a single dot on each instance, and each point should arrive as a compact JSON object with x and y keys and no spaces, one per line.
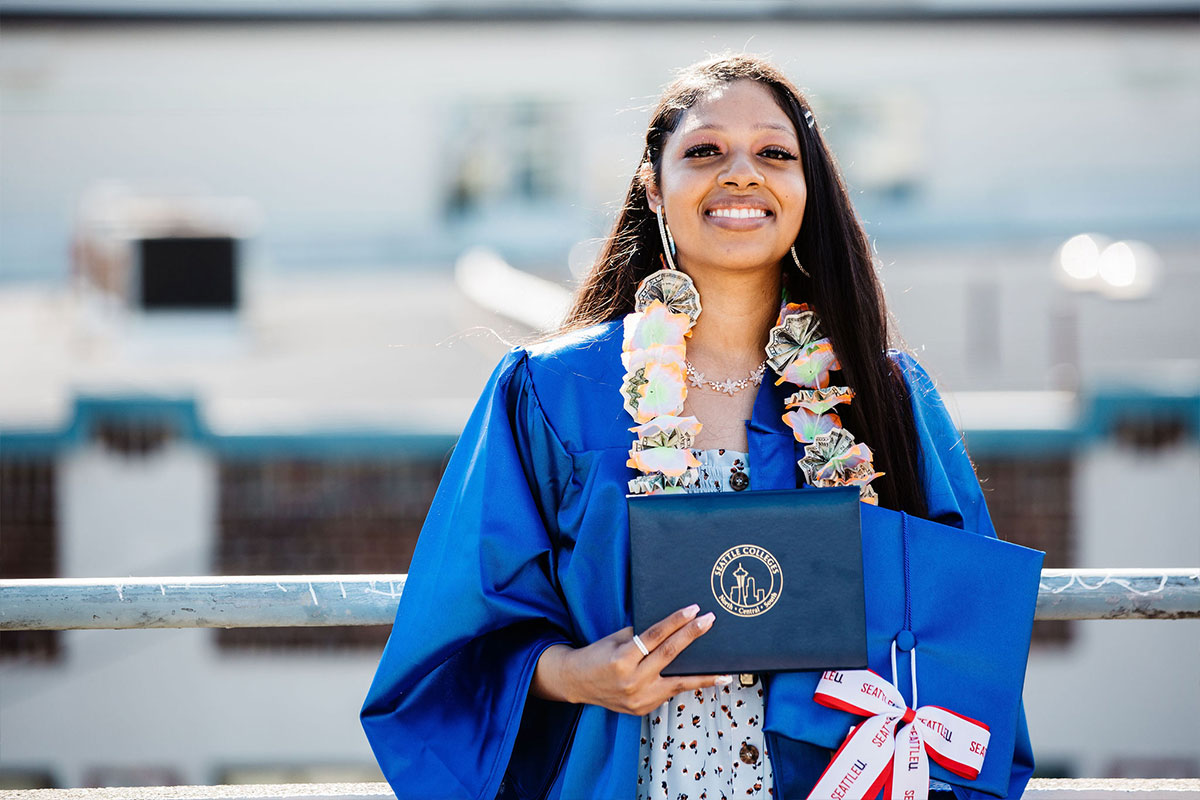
{"x":261,"y":601}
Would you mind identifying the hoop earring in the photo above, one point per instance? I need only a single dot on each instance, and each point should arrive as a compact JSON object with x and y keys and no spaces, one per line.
{"x":668,"y":241}
{"x":799,"y":266}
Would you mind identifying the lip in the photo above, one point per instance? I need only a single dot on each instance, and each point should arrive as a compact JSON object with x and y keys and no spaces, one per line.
{"x":732,"y":223}
{"x":735,"y":201}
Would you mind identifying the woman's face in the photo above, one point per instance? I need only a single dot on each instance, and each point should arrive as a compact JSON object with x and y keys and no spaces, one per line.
{"x":732,"y":185}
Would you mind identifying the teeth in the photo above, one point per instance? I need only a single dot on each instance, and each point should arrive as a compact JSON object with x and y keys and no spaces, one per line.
{"x":738,"y":213}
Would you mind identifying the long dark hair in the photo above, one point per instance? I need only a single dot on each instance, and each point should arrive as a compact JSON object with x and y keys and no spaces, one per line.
{"x":843,"y":288}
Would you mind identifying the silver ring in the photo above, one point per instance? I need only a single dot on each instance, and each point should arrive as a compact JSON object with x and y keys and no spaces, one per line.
{"x":637,"y":640}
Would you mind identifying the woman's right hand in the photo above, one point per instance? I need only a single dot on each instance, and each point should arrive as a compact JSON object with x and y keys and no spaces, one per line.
{"x":613,"y":673}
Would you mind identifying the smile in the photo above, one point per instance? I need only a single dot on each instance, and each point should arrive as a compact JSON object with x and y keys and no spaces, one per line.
{"x":738,"y":213}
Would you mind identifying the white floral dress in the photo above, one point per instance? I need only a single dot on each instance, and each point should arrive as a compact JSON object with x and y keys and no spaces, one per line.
{"x":708,"y":744}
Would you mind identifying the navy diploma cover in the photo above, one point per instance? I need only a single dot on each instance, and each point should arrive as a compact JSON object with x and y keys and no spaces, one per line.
{"x":781,"y":570}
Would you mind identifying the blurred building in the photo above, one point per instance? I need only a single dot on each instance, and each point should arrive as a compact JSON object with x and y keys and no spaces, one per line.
{"x":300,"y":423}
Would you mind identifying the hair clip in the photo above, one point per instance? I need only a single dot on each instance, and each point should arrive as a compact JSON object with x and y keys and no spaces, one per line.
{"x":808,"y":118}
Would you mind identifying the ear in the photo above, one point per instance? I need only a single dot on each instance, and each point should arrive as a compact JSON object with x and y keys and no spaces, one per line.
{"x":653,"y":196}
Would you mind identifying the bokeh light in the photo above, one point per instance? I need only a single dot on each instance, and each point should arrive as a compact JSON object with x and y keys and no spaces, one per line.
{"x":1079,"y":257}
{"x":1119,"y":270}
{"x":1117,"y":265}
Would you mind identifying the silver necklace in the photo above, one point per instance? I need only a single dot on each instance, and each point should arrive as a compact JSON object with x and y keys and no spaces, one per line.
{"x":729,"y":387}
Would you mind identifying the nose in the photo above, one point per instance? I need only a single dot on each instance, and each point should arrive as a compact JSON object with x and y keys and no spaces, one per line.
{"x":741,"y":170}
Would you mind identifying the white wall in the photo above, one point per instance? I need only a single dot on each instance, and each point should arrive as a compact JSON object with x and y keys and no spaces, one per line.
{"x":129,"y":515}
{"x":340,"y":130}
{"x":1014,"y":136}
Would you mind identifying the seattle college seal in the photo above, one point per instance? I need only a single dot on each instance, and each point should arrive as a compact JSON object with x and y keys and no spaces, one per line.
{"x":747,"y":580}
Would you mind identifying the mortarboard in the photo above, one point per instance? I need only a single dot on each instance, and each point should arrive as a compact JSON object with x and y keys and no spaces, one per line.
{"x":958,"y":604}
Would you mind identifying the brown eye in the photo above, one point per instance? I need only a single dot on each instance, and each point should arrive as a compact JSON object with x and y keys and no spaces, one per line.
{"x":779,"y":154}
{"x":700,"y":151}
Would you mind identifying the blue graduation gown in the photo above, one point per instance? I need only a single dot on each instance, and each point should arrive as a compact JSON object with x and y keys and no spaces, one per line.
{"x":527,"y":545}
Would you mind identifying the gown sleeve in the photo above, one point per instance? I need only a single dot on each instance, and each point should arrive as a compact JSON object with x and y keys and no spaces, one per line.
{"x":955,"y":498}
{"x":449,"y":699}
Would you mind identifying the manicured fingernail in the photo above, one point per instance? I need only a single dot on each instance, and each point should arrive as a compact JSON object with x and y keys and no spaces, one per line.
{"x":707,"y":620}
{"x":723,"y":680}
{"x":691,"y":610}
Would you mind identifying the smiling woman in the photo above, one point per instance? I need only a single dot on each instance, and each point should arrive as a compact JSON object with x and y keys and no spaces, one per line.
{"x":734,"y":128}
{"x":732,"y":167}
{"x":513,"y":670}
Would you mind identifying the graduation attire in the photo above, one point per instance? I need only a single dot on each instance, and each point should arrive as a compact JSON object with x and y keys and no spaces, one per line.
{"x":527,"y":545}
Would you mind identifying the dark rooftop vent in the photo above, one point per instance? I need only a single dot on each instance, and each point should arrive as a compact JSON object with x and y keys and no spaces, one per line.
{"x":163,"y":252}
{"x":188,"y":273}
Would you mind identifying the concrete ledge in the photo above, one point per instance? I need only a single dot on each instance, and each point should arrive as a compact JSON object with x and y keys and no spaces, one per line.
{"x":1039,"y":789}
{"x":275,"y":791}
{"x":1140,"y":788}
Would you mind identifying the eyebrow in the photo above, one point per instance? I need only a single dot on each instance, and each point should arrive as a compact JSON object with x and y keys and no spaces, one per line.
{"x":767,"y":125}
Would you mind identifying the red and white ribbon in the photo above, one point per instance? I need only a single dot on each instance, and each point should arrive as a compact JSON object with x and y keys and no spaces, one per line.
{"x":874,"y":755}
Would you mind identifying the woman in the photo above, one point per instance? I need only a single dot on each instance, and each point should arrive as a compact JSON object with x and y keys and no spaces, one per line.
{"x":512,"y":667}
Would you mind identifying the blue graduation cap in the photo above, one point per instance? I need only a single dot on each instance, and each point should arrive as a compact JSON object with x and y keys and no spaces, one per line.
{"x":958,"y":604}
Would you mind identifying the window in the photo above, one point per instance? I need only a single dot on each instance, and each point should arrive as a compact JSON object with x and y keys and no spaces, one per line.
{"x":29,"y":544}
{"x":295,"y":516}
{"x":505,"y":154}
{"x":1030,"y":503}
{"x":881,"y":141}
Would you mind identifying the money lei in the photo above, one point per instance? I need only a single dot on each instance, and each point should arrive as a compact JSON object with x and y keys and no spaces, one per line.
{"x":654,"y":350}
